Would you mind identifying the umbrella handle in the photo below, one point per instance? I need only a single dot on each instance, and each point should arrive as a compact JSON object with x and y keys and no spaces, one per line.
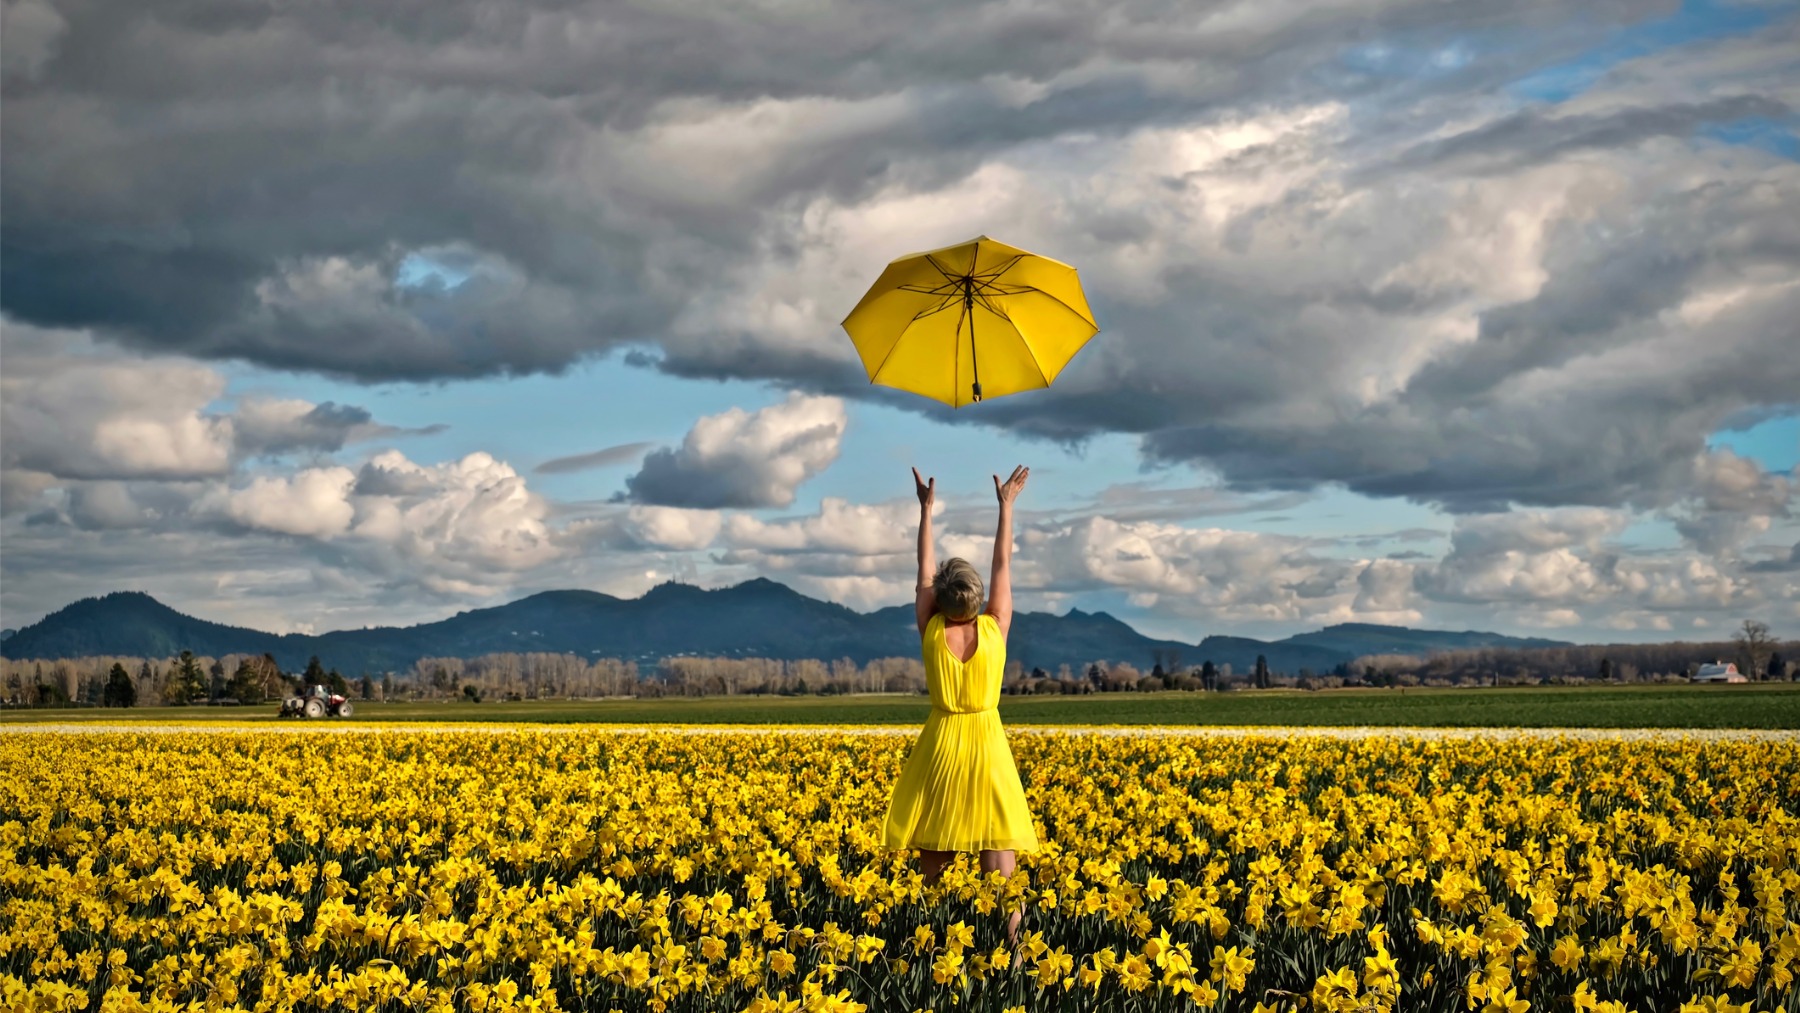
{"x":969,"y":307}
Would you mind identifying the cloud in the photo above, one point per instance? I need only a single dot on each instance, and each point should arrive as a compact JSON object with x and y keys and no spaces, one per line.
{"x":1535,"y":136}
{"x":671,"y":528}
{"x":312,"y":504}
{"x":866,"y":550}
{"x":744,"y":459}
{"x":271,"y":426}
{"x":1221,"y":575}
{"x":1732,"y":501}
{"x":464,"y":527}
{"x":93,"y":416}
{"x":1778,"y":564}
{"x":1548,"y":564}
{"x":107,"y":506}
{"x":860,"y":554}
{"x":1537,"y":556}
{"x":585,"y":175}
{"x":470,"y":519}
{"x":1325,"y":248}
{"x":31,"y":32}
{"x":596,"y":459}
{"x":76,"y":412}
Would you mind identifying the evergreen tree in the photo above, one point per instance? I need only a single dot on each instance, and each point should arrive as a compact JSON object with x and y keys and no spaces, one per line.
{"x":1262,"y":672}
{"x":187,"y":682}
{"x":49,"y":694}
{"x":120,"y":692}
{"x":1209,"y":676}
{"x":1606,"y":669}
{"x":247,"y":683}
{"x":336,"y":681}
{"x":1778,"y":668}
{"x":315,"y":673}
{"x":366,"y":686}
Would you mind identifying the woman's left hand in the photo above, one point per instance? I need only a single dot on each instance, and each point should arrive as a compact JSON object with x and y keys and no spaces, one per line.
{"x":927,"y":489}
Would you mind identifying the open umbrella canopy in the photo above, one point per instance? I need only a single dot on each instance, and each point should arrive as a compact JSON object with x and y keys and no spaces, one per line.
{"x":976,"y":320}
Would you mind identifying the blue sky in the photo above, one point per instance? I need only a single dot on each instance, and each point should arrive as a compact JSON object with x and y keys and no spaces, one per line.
{"x":1689,"y":24}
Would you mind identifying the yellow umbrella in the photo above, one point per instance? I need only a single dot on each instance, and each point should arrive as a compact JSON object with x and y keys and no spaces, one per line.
{"x":978,"y":319}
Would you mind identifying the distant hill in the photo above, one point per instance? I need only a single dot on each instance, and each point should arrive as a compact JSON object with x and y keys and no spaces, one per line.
{"x":1357,"y":639}
{"x":756,"y":619}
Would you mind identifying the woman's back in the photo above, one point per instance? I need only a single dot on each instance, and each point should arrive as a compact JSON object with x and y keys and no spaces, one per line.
{"x":961,"y":687}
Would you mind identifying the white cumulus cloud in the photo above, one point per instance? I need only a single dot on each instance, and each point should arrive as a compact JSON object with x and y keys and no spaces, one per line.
{"x":744,"y":459}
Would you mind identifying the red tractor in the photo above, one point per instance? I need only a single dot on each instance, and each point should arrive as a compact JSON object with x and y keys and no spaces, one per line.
{"x":316,"y":703}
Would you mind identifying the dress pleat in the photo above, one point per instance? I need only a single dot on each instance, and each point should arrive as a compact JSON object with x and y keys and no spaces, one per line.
{"x":960,"y":789}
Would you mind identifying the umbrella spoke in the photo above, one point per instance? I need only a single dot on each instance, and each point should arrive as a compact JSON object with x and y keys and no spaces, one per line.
{"x":992,"y":307}
{"x":934,"y":310}
{"x":955,"y":287}
{"x":997,"y":272}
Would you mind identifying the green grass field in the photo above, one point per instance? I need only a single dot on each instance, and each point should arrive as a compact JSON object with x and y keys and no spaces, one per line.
{"x":1654,"y":706}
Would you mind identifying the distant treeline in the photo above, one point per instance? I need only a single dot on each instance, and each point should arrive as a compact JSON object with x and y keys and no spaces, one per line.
{"x":255,"y":679}
{"x":1673,"y":662}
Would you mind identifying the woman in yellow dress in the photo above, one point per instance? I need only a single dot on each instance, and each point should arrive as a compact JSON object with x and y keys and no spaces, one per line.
{"x":960,"y":790}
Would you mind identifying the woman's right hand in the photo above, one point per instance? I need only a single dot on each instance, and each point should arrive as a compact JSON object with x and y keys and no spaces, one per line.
{"x":926,"y":488}
{"x":1014,"y":485}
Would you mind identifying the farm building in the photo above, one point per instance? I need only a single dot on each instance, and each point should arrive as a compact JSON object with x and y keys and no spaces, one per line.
{"x":1719,"y":671}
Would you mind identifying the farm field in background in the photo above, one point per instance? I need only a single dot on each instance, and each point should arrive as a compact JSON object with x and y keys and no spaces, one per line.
{"x":1765,"y":705}
{"x":583,"y":868}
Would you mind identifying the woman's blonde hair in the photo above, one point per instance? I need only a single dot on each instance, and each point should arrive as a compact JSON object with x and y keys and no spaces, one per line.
{"x":958,"y":588}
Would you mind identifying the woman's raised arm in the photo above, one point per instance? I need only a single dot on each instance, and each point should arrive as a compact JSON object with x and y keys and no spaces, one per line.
{"x":925,"y":596}
{"x":1000,"y":581}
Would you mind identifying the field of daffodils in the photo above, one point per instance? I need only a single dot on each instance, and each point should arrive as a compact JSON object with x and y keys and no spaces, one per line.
{"x":559,"y":869}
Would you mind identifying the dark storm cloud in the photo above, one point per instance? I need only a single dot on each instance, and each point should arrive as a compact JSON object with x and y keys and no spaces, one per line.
{"x":248,"y":182}
{"x":453,"y":190}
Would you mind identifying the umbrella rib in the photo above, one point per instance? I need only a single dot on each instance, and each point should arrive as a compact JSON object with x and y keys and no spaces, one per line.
{"x":1085,"y":318}
{"x":884,"y":359}
{"x":1023,"y":340}
{"x":994,"y":275}
{"x":935,"y":310}
{"x":993,"y":307}
{"x":941,"y":269}
{"x":922,"y":314}
{"x":922,"y":290}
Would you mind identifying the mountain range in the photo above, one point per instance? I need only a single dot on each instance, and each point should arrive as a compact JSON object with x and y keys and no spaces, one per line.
{"x":756,"y":619}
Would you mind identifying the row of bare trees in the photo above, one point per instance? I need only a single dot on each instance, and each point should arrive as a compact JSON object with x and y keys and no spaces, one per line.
{"x":115,"y":681}
{"x":535,"y":676}
{"x":1673,"y":662}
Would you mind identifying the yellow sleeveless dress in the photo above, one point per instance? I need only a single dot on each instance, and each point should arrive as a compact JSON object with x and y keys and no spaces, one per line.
{"x":960,"y":790}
